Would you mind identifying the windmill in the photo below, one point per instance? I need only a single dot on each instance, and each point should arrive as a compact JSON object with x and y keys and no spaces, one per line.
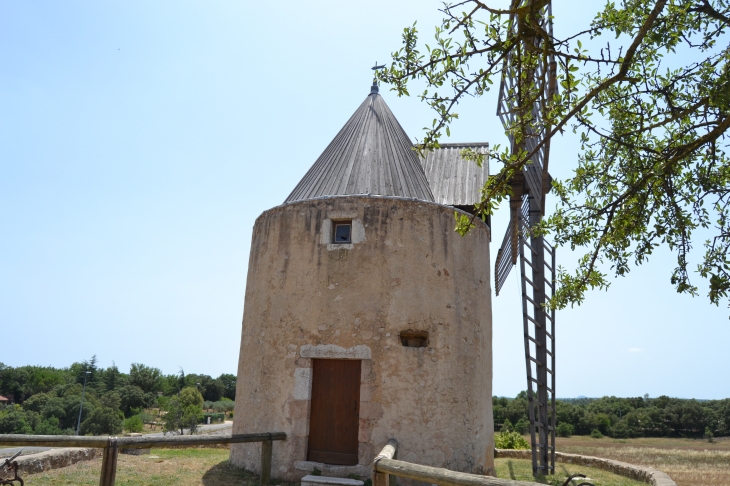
{"x":528,"y":82}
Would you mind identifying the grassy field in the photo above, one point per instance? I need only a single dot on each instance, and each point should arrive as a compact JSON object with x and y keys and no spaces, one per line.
{"x":209,"y":467}
{"x":163,"y":467}
{"x":521,"y":470}
{"x":689,"y":462}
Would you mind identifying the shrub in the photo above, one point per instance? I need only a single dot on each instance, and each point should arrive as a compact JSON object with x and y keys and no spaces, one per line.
{"x":596,"y":434}
{"x":507,"y":426}
{"x":131,"y":396}
{"x":179,"y":416}
{"x":102,"y":421}
{"x":564,"y":429}
{"x":510,"y":440}
{"x":620,"y":430}
{"x":522,"y":426}
{"x":48,"y":426}
{"x":214,"y":417}
{"x":191,"y":396}
{"x":15,"y":421}
{"x":134,"y":424}
{"x":146,"y":417}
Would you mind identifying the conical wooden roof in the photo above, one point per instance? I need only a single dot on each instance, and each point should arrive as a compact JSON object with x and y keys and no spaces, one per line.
{"x":370,"y":155}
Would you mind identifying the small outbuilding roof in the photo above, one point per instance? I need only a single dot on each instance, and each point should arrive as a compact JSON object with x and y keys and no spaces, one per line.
{"x":453,"y":180}
{"x":370,"y":155}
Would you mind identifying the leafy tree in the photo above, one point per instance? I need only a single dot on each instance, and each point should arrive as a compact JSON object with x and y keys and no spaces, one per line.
{"x":145,"y":377}
{"x":651,"y":107}
{"x":522,"y":426}
{"x":181,"y":413}
{"x":211,"y":389}
{"x":37,"y":402}
{"x":229,"y":385}
{"x":14,"y":421}
{"x":113,"y":378}
{"x":564,"y":429}
{"x":191,"y":396}
{"x":134,"y":424}
{"x":102,"y":421}
{"x":111,"y":400}
{"x":48,"y":426}
{"x":131,"y":396}
{"x":170,"y":385}
{"x":93,"y":379}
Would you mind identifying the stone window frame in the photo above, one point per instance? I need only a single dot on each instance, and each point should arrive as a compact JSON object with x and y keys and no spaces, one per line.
{"x":357,"y":230}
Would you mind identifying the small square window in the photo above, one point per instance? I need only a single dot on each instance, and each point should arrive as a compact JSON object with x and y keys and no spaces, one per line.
{"x":343,"y":232}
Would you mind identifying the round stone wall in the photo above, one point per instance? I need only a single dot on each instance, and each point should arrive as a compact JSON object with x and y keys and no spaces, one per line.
{"x":308,"y":298}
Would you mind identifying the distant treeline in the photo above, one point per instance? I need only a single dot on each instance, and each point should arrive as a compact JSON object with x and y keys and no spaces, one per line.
{"x":46,"y":400}
{"x":623,"y":417}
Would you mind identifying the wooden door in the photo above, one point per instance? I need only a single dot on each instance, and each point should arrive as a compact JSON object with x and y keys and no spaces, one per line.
{"x":335,"y":413}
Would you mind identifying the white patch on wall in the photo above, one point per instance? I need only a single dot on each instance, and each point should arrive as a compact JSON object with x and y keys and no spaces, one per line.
{"x":302,"y":383}
{"x":332,"y":351}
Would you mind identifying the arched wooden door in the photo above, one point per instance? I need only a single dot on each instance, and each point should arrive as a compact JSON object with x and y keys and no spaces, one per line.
{"x":335,"y":411}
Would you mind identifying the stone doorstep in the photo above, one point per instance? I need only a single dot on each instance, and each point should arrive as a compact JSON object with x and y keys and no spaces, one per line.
{"x":310,"y":480}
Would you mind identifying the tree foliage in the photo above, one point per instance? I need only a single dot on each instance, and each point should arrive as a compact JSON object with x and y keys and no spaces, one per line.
{"x":103,"y":421}
{"x":651,"y":104}
{"x":48,"y":398}
{"x":147,"y":378}
{"x":625,"y":417}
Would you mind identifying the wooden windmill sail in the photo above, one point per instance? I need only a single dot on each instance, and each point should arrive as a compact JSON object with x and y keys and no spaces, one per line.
{"x":528,"y":82}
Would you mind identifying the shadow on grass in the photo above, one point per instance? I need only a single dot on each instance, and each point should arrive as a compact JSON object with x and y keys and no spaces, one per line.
{"x":224,"y":473}
{"x":525,"y":476}
{"x":511,"y":468}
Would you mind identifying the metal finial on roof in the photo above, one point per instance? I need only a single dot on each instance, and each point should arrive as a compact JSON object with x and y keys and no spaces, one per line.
{"x":374,"y":87}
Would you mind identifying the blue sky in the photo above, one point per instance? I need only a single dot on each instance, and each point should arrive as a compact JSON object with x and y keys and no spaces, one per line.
{"x":140,"y":140}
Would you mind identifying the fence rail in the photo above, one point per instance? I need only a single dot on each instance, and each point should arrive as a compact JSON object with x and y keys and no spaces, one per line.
{"x":385,"y":465}
{"x":111,"y":446}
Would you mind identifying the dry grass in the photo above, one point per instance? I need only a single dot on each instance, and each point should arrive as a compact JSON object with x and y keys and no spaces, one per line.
{"x":521,"y":470}
{"x":689,"y":462}
{"x":163,"y":467}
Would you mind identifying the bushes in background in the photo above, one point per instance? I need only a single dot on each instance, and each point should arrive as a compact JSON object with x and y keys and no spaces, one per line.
{"x":47,"y":399}
{"x":623,"y":417}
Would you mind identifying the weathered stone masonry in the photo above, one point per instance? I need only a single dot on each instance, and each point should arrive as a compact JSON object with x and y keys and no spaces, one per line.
{"x":406,"y":269}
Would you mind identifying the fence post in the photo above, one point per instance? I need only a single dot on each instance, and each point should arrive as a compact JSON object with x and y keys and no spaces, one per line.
{"x":381,"y":479}
{"x":394,"y":479}
{"x":390,"y":451}
{"x":109,"y":463}
{"x":266,"y":449}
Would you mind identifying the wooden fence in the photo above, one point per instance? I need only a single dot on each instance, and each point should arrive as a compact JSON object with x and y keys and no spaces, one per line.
{"x":385,"y":465}
{"x":111,"y":446}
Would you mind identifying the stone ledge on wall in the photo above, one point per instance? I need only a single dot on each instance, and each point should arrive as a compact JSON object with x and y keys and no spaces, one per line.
{"x":332,"y":351}
{"x":54,"y":459}
{"x":645,"y":474}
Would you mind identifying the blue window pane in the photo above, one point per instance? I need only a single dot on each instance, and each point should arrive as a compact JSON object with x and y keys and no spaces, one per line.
{"x":342,"y":233}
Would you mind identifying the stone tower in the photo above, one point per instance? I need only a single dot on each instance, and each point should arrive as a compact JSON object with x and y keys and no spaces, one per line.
{"x":366,"y":316}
